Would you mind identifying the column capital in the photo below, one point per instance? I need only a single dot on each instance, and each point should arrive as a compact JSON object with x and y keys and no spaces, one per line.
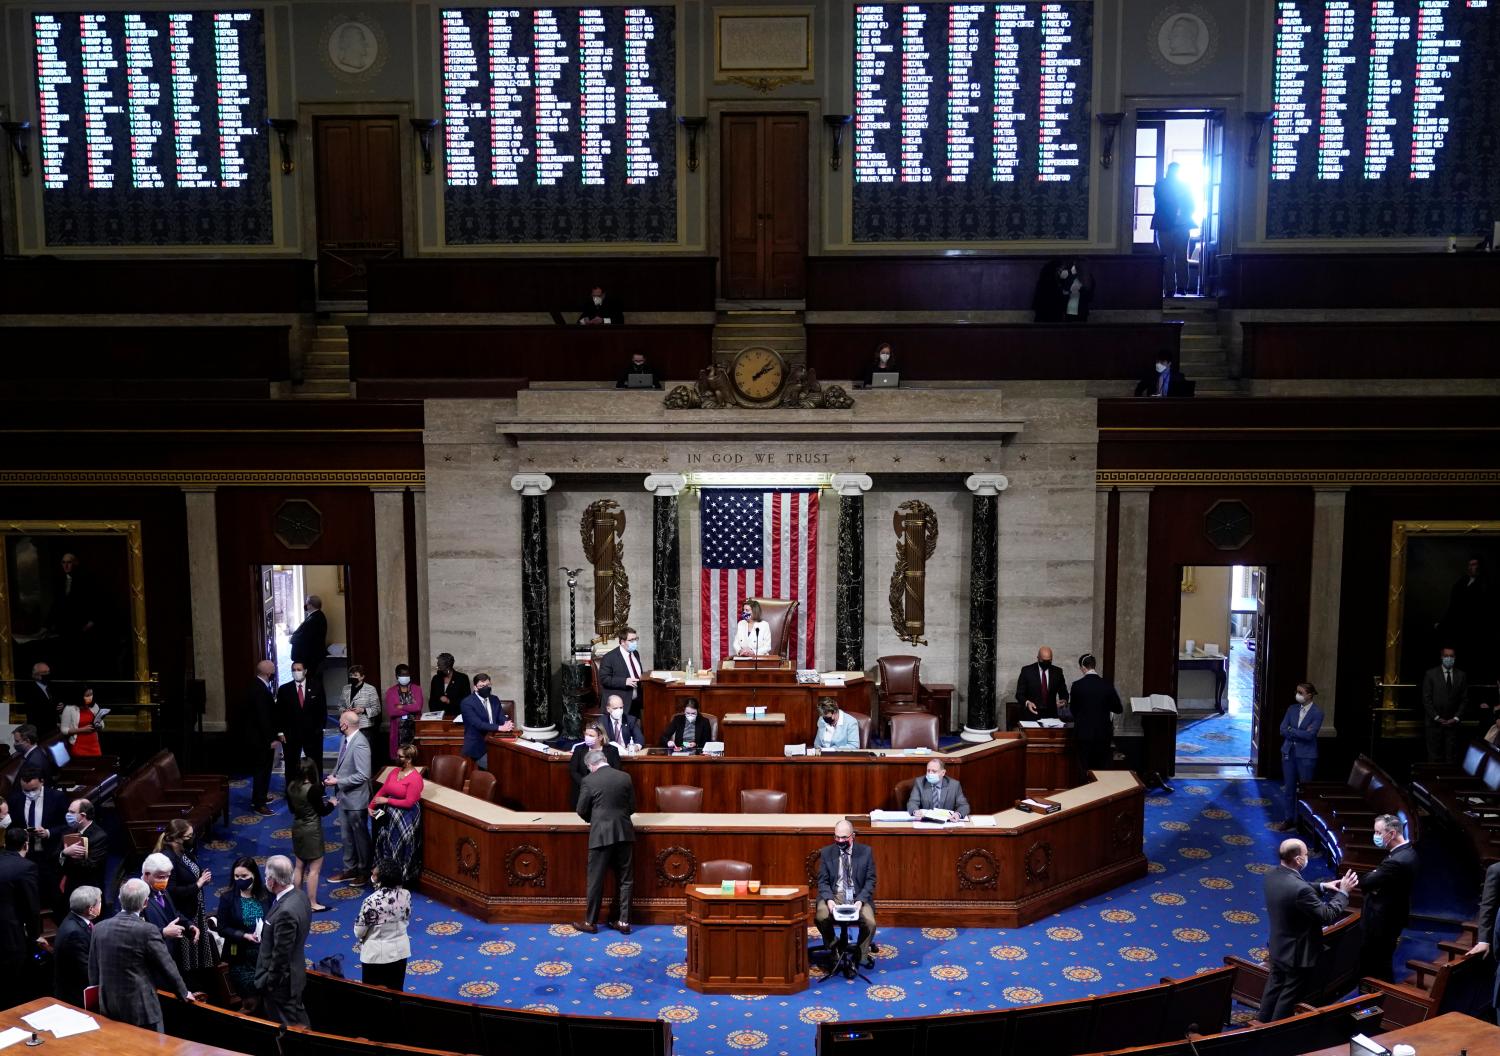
{"x":1331,"y":489}
{"x":529,"y":484}
{"x":666,"y":485}
{"x":987,"y":484}
{"x":851,"y":484}
{"x":200,"y":488}
{"x":389,"y":489}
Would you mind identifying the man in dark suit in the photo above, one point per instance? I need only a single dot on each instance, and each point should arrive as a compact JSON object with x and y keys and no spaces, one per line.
{"x":1298,"y":914}
{"x":1092,"y":701}
{"x":1387,"y":906}
{"x":937,"y":791}
{"x":41,"y":812}
{"x":846,"y":875}
{"x":128,"y":961}
{"x":281,"y":964}
{"x":20,"y":912}
{"x":310,"y":639}
{"x":620,"y":670}
{"x":1040,"y":687}
{"x":70,"y":947}
{"x":1164,"y":380}
{"x":1445,"y":693}
{"x":82,"y":866}
{"x":620,"y":726}
{"x":601,"y":310}
{"x":41,"y":703}
{"x":159,"y":910}
{"x":606,"y":800}
{"x":483,"y":714}
{"x":1489,"y":906}
{"x":304,"y":715}
{"x":261,"y":721}
{"x":28,"y":746}
{"x":638,"y":365}
{"x":449,"y":687}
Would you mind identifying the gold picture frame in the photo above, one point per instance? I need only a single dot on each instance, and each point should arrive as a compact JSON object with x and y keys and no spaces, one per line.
{"x":130,"y":532}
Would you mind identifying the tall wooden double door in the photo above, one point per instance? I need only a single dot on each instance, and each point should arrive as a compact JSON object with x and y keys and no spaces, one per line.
{"x":359,"y":200}
{"x":763,"y":183}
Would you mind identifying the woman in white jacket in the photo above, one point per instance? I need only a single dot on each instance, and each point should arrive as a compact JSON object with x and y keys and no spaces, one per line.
{"x":752,"y":635}
{"x":380,"y":929}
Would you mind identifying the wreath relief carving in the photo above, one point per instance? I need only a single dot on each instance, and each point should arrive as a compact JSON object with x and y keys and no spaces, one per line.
{"x":675,"y":866}
{"x":1038,"y":862}
{"x":978,"y":869}
{"x":526,"y":866}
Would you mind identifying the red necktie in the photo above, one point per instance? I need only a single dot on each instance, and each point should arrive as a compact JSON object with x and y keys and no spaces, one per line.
{"x":301,"y":695}
{"x":1044,"y":685}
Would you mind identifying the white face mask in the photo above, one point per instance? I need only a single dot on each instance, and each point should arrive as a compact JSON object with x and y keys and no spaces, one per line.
{"x":616,"y":713}
{"x":598,"y":301}
{"x":1301,"y":698}
{"x":298,"y":676}
{"x":4,"y":823}
{"x":885,"y":357}
{"x":1161,"y":368}
{"x":404,"y":680}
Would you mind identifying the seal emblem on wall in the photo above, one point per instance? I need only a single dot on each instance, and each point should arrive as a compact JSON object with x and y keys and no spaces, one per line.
{"x":354,"y":48}
{"x":1183,"y":39}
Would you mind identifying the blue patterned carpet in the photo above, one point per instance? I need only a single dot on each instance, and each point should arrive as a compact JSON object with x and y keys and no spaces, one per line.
{"x":1208,"y":846}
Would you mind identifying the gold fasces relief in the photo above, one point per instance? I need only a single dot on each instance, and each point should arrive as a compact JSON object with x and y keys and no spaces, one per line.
{"x":602,"y":531}
{"x":916,"y":529}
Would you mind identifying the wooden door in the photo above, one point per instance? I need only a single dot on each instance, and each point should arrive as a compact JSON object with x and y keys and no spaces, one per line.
{"x":1213,"y":218}
{"x":764,"y":213}
{"x":359,"y":200}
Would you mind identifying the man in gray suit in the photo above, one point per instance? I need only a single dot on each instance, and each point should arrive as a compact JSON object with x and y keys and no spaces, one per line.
{"x":1298,"y":913}
{"x":606,"y":799}
{"x":1445,"y":692}
{"x":350,"y":782}
{"x":936,"y":792}
{"x":281,"y":964}
{"x":128,"y":960}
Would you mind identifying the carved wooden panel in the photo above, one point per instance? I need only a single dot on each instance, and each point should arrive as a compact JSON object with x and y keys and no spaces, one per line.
{"x":526,"y":866}
{"x":1039,"y":862}
{"x":467,"y":854}
{"x":977,"y":869}
{"x":675,"y":866}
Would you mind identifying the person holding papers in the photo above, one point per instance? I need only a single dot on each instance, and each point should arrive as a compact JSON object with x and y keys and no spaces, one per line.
{"x":936,"y":792}
{"x":846,"y":877}
{"x":837,"y":730}
{"x":752,"y":635}
{"x":241,"y":909}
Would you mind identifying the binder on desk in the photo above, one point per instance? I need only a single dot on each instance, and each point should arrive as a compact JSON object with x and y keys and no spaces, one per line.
{"x":1155,"y":702}
{"x":1037,"y":805}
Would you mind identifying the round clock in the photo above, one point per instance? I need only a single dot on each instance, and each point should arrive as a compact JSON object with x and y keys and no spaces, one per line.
{"x":758,"y":374}
{"x":298,"y":524}
{"x":1228,"y":524}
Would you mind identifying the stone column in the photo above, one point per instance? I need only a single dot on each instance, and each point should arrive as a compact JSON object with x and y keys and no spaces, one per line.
{"x":1101,"y":578}
{"x":206,"y":603}
{"x":1326,"y":592}
{"x":423,"y":660}
{"x":536,"y":637}
{"x":849,"y":625}
{"x":390,"y":581}
{"x":983,"y":604}
{"x":666,"y":572}
{"x":1130,"y":600}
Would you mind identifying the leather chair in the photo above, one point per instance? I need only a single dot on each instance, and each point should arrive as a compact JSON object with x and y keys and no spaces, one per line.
{"x":864,"y":727}
{"x":679,"y":799}
{"x":781,"y":617}
{"x":450,"y":771}
{"x":903,"y":792}
{"x":901,"y":689}
{"x":762,"y":801}
{"x":914,"y":731}
{"x":482,"y":785}
{"x":721,"y":869}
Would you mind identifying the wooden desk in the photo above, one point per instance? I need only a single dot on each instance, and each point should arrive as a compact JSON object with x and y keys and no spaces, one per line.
{"x":745,"y":736}
{"x":1448,"y":1033}
{"x":1051,"y":758}
{"x":1218,"y":666}
{"x":505,"y":866}
{"x":992,"y":774}
{"x":117,"y":1039}
{"x":799,"y":703}
{"x":747,"y":944}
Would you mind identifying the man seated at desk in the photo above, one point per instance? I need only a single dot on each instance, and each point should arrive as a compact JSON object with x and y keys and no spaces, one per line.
{"x":638,"y":365}
{"x":601,"y":310}
{"x":752,"y":635}
{"x":936,"y":792}
{"x":846,"y":875}
{"x":686,"y":732}
{"x":621,"y":727}
{"x":594,"y":739}
{"x":837,"y":730}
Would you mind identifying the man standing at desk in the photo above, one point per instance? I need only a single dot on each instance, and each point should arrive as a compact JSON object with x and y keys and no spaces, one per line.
{"x":846,"y":875}
{"x":837,"y":730}
{"x":482,"y":714}
{"x":1040,"y":687}
{"x":606,"y":801}
{"x":620,"y":670}
{"x":1093,"y":704}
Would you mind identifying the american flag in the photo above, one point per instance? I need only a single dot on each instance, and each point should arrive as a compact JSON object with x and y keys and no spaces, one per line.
{"x":758,"y":544}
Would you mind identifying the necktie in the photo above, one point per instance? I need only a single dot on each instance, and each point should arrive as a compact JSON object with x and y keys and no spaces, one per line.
{"x":301,"y":694}
{"x":490,"y":707}
{"x":31,"y":813}
{"x":618,"y":738}
{"x":846,"y":884}
{"x":635,"y":669}
{"x":1044,"y":685}
{"x":340,"y":760}
{"x":1448,"y":674}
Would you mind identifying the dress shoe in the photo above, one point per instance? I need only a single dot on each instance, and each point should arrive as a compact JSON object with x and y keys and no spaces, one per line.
{"x":868,"y":962}
{"x":340,"y":878}
{"x":622,"y":928}
{"x":265,"y":812}
{"x":585,"y":927}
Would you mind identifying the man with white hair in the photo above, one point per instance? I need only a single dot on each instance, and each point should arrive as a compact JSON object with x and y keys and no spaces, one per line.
{"x":281,"y":965}
{"x":126,"y":960}
{"x":70,"y":948}
{"x":350,"y":782}
{"x":156,"y":874}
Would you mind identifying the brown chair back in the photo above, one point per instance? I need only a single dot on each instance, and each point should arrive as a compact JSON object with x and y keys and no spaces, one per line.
{"x":781,"y":617}
{"x":679,"y":799}
{"x":762,"y":801}
{"x":864,"y":727}
{"x":482,"y":785}
{"x":450,"y":771}
{"x":915,"y":729}
{"x":721,"y":869}
{"x":900,"y":679}
{"x":903,"y":792}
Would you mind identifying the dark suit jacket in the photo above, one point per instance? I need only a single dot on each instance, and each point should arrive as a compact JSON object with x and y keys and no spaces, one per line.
{"x":231,"y":924}
{"x":87,"y":871}
{"x":946,"y":795}
{"x":1092,"y":701}
{"x":702,"y":730}
{"x":168,"y":913}
{"x":1029,"y":687}
{"x":260,"y":717}
{"x":606,"y":800}
{"x":1489,"y":905}
{"x":1437,"y":701}
{"x":127,"y":962}
{"x":20,"y":906}
{"x":42,"y":707}
{"x":610,"y":310}
{"x":306,"y":720}
{"x":310,"y":640}
{"x":1177,"y":384}
{"x":1298,"y":916}
{"x":38,"y":758}
{"x":54,"y":820}
{"x":70,"y":959}
{"x":630,"y":729}
{"x":861,"y":872}
{"x":1388,"y":889}
{"x":281,"y":966}
{"x":477,"y":723}
{"x":580,"y":771}
{"x":614,"y":669}
{"x":458,"y":689}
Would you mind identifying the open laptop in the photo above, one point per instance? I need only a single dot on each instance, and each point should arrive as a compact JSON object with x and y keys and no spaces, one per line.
{"x":643,"y":380}
{"x":885,"y":379}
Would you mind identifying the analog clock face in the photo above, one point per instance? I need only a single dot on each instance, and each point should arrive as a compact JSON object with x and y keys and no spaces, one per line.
{"x":758,"y":374}
{"x":1228,"y":525}
{"x":298,"y":524}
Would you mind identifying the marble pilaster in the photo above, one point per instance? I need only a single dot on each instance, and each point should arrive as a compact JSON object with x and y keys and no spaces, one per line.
{"x":390,"y":578}
{"x":204,"y":596}
{"x":1130,"y":600}
{"x":1101,"y":578}
{"x":1325,"y":593}
{"x":419,"y":540}
{"x":536,"y":637}
{"x":983,"y":602}
{"x":849,"y":628}
{"x":666,"y":571}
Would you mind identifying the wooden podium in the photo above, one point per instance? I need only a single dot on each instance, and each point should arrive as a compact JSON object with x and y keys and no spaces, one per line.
{"x":747,"y":944}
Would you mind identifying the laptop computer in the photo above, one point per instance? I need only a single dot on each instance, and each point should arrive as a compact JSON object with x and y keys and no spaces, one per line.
{"x":644,"y":380}
{"x":885,"y":379}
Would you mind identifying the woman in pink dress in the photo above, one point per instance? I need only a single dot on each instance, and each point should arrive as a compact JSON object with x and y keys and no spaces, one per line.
{"x":397,"y":809}
{"x":402,"y":701}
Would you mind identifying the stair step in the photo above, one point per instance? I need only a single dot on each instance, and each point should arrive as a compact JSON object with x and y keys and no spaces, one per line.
{"x":332,"y":386}
{"x":331,"y":332}
{"x":329,"y":359}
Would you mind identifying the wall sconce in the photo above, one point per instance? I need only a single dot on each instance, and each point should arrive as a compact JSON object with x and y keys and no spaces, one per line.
{"x":836,"y":123}
{"x":693,"y":125}
{"x":286,"y":132}
{"x":17,"y":130}
{"x":1256,"y":119}
{"x":424,"y":127}
{"x":1110,"y":124}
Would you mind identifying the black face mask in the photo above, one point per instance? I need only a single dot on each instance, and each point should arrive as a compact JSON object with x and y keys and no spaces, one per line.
{"x":44,"y":679}
{"x":483,"y":691}
{"x":832,"y":720}
{"x":1043,"y":664}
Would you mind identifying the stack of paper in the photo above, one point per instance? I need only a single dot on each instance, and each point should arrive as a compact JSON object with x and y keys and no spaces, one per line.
{"x":61,"y":1020}
{"x":889,"y":815}
{"x":13,"y":1035}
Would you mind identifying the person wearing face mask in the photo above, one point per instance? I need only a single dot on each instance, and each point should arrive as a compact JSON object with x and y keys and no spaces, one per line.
{"x":1040,"y":687}
{"x":260,"y":732}
{"x":400,"y":802}
{"x":127,"y":962}
{"x":41,"y":812}
{"x":403,"y":703}
{"x":937,"y":791}
{"x":601,"y":310}
{"x":82,"y":860}
{"x":20,"y":912}
{"x":242,"y":907}
{"x":350,"y":784}
{"x":162,"y":911}
{"x":689,"y":730}
{"x":620,"y":670}
{"x":33,"y":756}
{"x":1387,"y":889}
{"x":638,"y":366}
{"x":884,"y":362}
{"x":449,"y":686}
{"x":752,"y":635}
{"x":621,"y":727}
{"x":594,"y":739}
{"x":70,"y":947}
{"x":80,"y":726}
{"x":606,"y":800}
{"x":281,"y":962}
{"x":187,"y":884}
{"x":1445,"y":694}
{"x":310,"y":639}
{"x":304,"y":716}
{"x":1164,"y":380}
{"x":364,"y":700}
{"x":1299,"y":748}
{"x":483,"y":713}
{"x":837,"y":730}
{"x":40,"y":703}
{"x":1298,"y":913}
{"x":846,"y":876}
{"x":1093,"y":704}
{"x":304,"y":798}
